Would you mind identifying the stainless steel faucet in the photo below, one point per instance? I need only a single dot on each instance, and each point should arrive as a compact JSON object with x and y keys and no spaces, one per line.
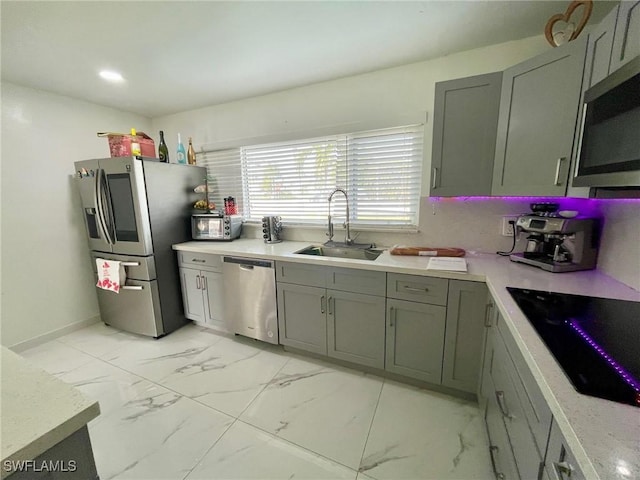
{"x":347,"y":240}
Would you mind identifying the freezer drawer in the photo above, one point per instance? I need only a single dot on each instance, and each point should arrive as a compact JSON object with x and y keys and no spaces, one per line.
{"x":136,"y":268}
{"x":135,"y":309}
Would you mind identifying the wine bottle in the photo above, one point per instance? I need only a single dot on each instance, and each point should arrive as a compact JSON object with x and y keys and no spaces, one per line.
{"x":191,"y":154}
{"x":181,"y":154}
{"x":135,"y":145}
{"x":163,"y":151}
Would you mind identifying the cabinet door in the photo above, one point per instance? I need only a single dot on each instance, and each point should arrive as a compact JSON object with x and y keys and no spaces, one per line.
{"x":191,"y":282}
{"x":466,"y":310}
{"x":626,"y":42}
{"x":538,"y":113}
{"x":465,"y":120}
{"x":560,"y":464}
{"x":356,"y":326}
{"x":213,"y":290}
{"x":599,"y":49}
{"x":415,"y":339}
{"x":302,"y":318}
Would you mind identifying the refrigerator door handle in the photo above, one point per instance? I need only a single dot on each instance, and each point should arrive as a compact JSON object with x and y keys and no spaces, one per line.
{"x":99,"y":202}
{"x":132,"y":287}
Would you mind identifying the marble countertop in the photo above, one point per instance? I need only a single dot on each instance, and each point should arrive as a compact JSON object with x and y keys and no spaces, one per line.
{"x":38,"y":410}
{"x":602,"y":435}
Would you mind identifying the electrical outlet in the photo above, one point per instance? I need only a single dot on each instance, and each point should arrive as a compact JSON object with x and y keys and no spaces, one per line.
{"x":507,"y":228}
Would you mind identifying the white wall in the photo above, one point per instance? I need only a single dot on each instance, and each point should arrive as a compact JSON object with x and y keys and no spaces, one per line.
{"x":47,"y":282}
{"x":386,"y":98}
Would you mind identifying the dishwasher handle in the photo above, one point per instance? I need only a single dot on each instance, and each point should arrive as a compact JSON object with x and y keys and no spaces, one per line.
{"x":248,"y":263}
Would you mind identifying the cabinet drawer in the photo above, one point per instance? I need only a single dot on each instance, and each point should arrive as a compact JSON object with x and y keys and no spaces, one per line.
{"x":417,"y":289}
{"x":510,"y":407}
{"x":301,"y":274}
{"x":502,"y":461}
{"x":356,"y":281}
{"x":560,"y":463}
{"x":534,"y":405}
{"x":206,"y":261}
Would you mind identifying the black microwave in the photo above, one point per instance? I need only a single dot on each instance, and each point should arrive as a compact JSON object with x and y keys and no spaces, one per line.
{"x":609,"y":148}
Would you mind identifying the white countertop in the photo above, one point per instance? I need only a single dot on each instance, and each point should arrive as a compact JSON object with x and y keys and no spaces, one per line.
{"x":604,"y":436}
{"x":38,"y":410}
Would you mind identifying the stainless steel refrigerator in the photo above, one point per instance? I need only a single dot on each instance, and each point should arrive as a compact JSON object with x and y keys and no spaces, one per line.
{"x":134,"y":210}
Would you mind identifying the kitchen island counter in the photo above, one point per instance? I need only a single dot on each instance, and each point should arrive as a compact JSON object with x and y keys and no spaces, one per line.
{"x":602,"y":435}
{"x":38,"y":412}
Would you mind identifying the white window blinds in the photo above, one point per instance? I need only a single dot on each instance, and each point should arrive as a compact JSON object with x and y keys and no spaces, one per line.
{"x":380,"y":170}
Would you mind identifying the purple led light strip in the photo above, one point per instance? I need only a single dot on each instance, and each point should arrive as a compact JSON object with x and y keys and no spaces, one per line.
{"x":626,"y":376}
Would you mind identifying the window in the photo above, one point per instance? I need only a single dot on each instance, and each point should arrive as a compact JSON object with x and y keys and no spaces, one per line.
{"x":380,"y":170}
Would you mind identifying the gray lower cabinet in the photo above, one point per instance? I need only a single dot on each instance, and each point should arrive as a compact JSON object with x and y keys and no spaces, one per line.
{"x":524,"y":440}
{"x":626,"y":42}
{"x":465,"y":120}
{"x":560,"y":463}
{"x":415,"y":339}
{"x":537,"y":122}
{"x":339,"y":312}
{"x":466,"y":310}
{"x":202,"y":283}
{"x":302,"y":320}
{"x":356,"y":327}
{"x":203,"y":296}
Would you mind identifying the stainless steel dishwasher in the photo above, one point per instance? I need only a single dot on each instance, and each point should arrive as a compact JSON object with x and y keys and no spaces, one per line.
{"x":250,"y":298}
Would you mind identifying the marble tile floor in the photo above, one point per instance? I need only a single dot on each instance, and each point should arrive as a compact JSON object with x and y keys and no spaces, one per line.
{"x":201,"y":405}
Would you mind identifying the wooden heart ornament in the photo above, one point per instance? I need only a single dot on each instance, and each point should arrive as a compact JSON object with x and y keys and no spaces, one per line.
{"x":571,"y":30}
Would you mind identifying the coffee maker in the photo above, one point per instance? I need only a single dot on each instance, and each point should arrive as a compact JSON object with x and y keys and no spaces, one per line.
{"x":558,"y":244}
{"x":271,"y":229}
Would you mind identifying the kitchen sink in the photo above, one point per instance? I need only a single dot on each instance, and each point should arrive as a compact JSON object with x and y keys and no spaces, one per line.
{"x":347,"y":251}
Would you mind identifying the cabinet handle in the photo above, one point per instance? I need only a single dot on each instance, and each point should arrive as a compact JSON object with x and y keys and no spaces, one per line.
{"x":558,"y":165}
{"x":330,"y":301}
{"x":205,"y":285}
{"x":492,"y":450}
{"x":434,"y":176}
{"x":198,"y":285}
{"x":392,"y":312}
{"x":501,"y":403}
{"x":198,"y":260}
{"x":564,"y":468}
{"x":414,"y":289}
{"x":487,"y":314}
{"x":322,"y":304}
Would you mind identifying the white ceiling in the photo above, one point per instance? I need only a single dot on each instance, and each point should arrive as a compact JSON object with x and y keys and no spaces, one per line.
{"x":178,"y":56}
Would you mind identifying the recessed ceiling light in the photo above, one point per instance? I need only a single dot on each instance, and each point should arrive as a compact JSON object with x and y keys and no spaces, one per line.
{"x":111,"y":76}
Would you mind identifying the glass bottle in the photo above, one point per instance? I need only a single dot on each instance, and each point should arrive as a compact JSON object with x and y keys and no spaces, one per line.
{"x":163,"y":150}
{"x":181,"y":154}
{"x":191,"y":154}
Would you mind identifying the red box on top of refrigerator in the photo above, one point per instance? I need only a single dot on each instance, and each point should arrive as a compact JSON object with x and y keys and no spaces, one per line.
{"x":120,"y":144}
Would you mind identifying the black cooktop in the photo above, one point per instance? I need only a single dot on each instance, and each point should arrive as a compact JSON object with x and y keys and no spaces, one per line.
{"x":596,"y":341}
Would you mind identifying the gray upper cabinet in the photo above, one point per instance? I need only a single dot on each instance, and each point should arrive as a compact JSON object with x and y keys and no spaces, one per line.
{"x":626,"y":41}
{"x":356,"y":327}
{"x":464,"y":135}
{"x":537,"y":122}
{"x":415,"y":339}
{"x":302,"y":321}
{"x":466,"y":310}
{"x":599,"y":49}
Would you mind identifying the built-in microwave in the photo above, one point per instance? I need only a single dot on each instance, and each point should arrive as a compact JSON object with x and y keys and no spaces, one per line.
{"x":609,"y":149}
{"x":211,"y":226}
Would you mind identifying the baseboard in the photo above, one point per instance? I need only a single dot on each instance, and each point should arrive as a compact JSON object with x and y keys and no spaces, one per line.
{"x":52,"y":335}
